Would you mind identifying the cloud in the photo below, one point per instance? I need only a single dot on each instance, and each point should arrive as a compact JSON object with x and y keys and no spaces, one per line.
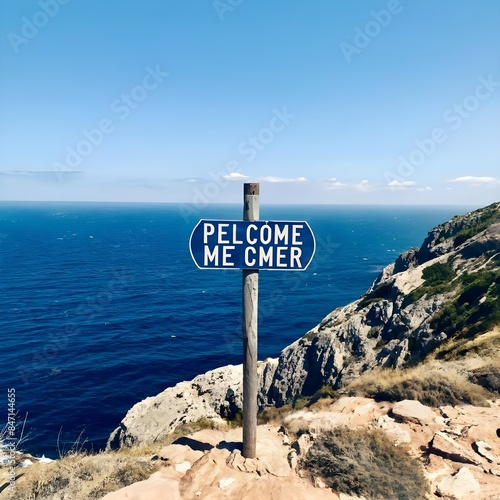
{"x":474,"y":181}
{"x":401,"y":185}
{"x":190,"y":180}
{"x":367,"y":186}
{"x":41,"y":175}
{"x":364,"y":185}
{"x":333,"y":183}
{"x":282,"y":179}
{"x":235,"y":176}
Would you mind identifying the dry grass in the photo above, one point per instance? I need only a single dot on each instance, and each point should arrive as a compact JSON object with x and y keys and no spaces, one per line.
{"x":487,"y":376}
{"x":486,"y":345}
{"x":426,"y":383}
{"x":365,"y":463}
{"x":80,"y":476}
{"x":273,"y":415}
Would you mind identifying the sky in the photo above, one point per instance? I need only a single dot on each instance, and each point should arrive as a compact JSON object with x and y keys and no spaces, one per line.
{"x":320,"y":101}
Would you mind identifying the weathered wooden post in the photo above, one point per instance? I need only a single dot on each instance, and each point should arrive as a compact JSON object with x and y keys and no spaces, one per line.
{"x":251,"y":244}
{"x":250,"y":307}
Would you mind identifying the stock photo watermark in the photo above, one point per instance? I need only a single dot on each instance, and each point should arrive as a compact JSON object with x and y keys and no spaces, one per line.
{"x":85,"y":313}
{"x":121,"y":107}
{"x":9,"y":438}
{"x":32,"y":25}
{"x":453,"y":117}
{"x":248,"y":149}
{"x":222,"y":7}
{"x":363,"y":36}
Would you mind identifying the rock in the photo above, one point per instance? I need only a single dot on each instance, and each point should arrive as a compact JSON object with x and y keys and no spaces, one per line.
{"x":319,"y":483}
{"x":154,"y":488}
{"x":461,"y":485}
{"x":413,"y":411}
{"x":293,"y":460}
{"x":392,"y":429}
{"x":225,"y":482}
{"x":212,"y":395}
{"x":182,"y":466}
{"x":343,"y":496}
{"x":274,"y":464}
{"x":176,"y":453}
{"x":302,"y":445}
{"x":495,"y":472}
{"x":485,"y":450}
{"x":447,"y":447}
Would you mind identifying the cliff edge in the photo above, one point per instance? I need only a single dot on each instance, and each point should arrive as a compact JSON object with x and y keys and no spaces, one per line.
{"x":430,"y":302}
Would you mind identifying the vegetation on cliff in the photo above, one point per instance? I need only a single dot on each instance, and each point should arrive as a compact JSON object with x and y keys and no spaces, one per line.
{"x":365,"y":463}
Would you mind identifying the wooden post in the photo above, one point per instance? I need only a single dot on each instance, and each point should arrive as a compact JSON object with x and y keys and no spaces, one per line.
{"x":250,"y":304}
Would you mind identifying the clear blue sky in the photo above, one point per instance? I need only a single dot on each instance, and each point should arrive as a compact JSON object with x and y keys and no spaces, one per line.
{"x":346,"y":101}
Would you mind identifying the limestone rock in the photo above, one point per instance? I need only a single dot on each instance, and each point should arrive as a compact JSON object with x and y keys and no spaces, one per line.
{"x":394,"y":430}
{"x":485,"y":450}
{"x":413,"y":411}
{"x":302,"y":445}
{"x":462,"y":485}
{"x":226,"y":481}
{"x":154,"y":488}
{"x":447,"y":447}
{"x":176,"y":454}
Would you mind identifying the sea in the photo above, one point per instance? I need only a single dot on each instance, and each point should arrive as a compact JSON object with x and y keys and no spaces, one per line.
{"x":102,"y":305}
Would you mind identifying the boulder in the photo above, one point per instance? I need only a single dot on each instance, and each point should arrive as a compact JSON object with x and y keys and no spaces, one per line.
{"x":445,"y":446}
{"x":462,"y":485}
{"x":413,"y":411}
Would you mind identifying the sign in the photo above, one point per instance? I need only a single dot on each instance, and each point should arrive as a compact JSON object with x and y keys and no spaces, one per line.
{"x":272,"y":245}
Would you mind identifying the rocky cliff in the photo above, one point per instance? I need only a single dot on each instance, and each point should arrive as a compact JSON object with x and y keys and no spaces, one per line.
{"x":432,"y":297}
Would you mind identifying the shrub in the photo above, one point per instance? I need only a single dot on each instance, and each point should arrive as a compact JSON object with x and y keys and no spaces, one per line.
{"x":438,"y":280}
{"x":429,"y":386}
{"x":273,"y":414}
{"x":438,"y":274}
{"x":467,"y":314}
{"x":324,"y":392}
{"x":490,"y":215}
{"x":365,"y":463}
{"x":487,"y":377}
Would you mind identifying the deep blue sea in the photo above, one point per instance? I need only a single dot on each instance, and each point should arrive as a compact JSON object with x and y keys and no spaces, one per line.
{"x":102,"y":305}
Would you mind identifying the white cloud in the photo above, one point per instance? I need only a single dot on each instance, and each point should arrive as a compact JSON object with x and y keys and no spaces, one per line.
{"x":282,"y":179}
{"x":364,"y":185}
{"x":333,"y":183}
{"x":472,"y":180}
{"x":235,"y":176}
{"x":401,"y":185}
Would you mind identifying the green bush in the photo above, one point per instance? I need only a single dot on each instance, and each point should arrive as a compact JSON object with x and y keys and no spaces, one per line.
{"x":438,"y":278}
{"x":365,"y":463}
{"x":438,"y":274}
{"x":466,"y":314}
{"x":490,"y":215}
{"x":325,"y":391}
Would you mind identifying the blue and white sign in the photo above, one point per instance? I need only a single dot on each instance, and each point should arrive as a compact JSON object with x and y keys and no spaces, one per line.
{"x":272,"y":245}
